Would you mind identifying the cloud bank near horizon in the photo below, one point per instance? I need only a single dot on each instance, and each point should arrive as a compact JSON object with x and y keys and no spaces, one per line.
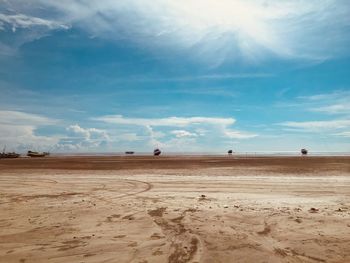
{"x":19,"y":130}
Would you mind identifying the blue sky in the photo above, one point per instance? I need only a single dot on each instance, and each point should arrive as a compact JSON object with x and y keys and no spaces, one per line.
{"x":95,"y":76}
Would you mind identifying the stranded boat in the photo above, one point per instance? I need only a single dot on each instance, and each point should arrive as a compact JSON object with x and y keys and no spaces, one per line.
{"x":37,"y":154}
{"x":303,"y":151}
{"x":9,"y":155}
{"x":5,"y":154}
{"x":156,"y":152}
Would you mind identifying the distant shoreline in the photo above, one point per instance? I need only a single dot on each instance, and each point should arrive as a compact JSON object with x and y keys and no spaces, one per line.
{"x":205,"y":154}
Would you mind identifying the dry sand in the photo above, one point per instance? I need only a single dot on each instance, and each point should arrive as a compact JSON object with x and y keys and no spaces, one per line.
{"x":175,"y":209}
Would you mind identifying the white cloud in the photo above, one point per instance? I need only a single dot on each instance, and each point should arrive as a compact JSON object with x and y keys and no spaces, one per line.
{"x":129,"y":137}
{"x":23,"y":131}
{"x":183,"y":133}
{"x":83,"y":138}
{"x":338,"y":94}
{"x":154,"y":137}
{"x":24,"y":21}
{"x":343,"y":134}
{"x":181,"y":144}
{"x":318,"y":126}
{"x":171,"y":121}
{"x":205,"y":125}
{"x":335,"y":108}
{"x":337,"y":102}
{"x":32,"y":28}
{"x":88,"y":133}
{"x":333,"y":103}
{"x":23,"y":118}
{"x":239,"y":134}
{"x":17,"y":131}
{"x":23,"y":137}
{"x":334,"y":128}
{"x":203,"y":77}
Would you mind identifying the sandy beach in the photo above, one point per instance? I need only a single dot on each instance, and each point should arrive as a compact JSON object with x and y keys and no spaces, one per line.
{"x":175,"y":209}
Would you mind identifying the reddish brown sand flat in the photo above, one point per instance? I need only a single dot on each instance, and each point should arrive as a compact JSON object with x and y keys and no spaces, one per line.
{"x":175,"y":209}
{"x":281,"y":164}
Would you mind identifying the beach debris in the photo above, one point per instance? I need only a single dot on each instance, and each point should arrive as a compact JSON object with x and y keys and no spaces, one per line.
{"x":281,"y":252}
{"x":313,"y":210}
{"x":298,"y":220}
{"x":157,"y":212}
{"x":129,"y":217}
{"x":202,"y":198}
{"x":267,"y":230}
{"x":156,"y":152}
{"x":225,"y":206}
{"x":129,"y":152}
{"x":303,"y":151}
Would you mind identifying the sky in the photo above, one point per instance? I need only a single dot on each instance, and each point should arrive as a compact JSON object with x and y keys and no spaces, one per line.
{"x":184,"y":76}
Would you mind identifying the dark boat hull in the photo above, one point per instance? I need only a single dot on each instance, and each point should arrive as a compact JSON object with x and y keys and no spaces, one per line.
{"x":36,"y":155}
{"x":156,"y":152}
{"x":9,"y":155}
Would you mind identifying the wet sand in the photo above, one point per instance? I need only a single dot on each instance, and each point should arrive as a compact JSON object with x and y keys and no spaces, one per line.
{"x":175,"y":209}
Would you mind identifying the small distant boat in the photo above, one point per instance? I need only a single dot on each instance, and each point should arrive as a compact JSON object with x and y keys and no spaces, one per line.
{"x":37,"y":154}
{"x":156,"y":152}
{"x":9,"y":155}
{"x":229,"y":152}
{"x":303,"y":151}
{"x":5,"y":154}
{"x":129,"y":152}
